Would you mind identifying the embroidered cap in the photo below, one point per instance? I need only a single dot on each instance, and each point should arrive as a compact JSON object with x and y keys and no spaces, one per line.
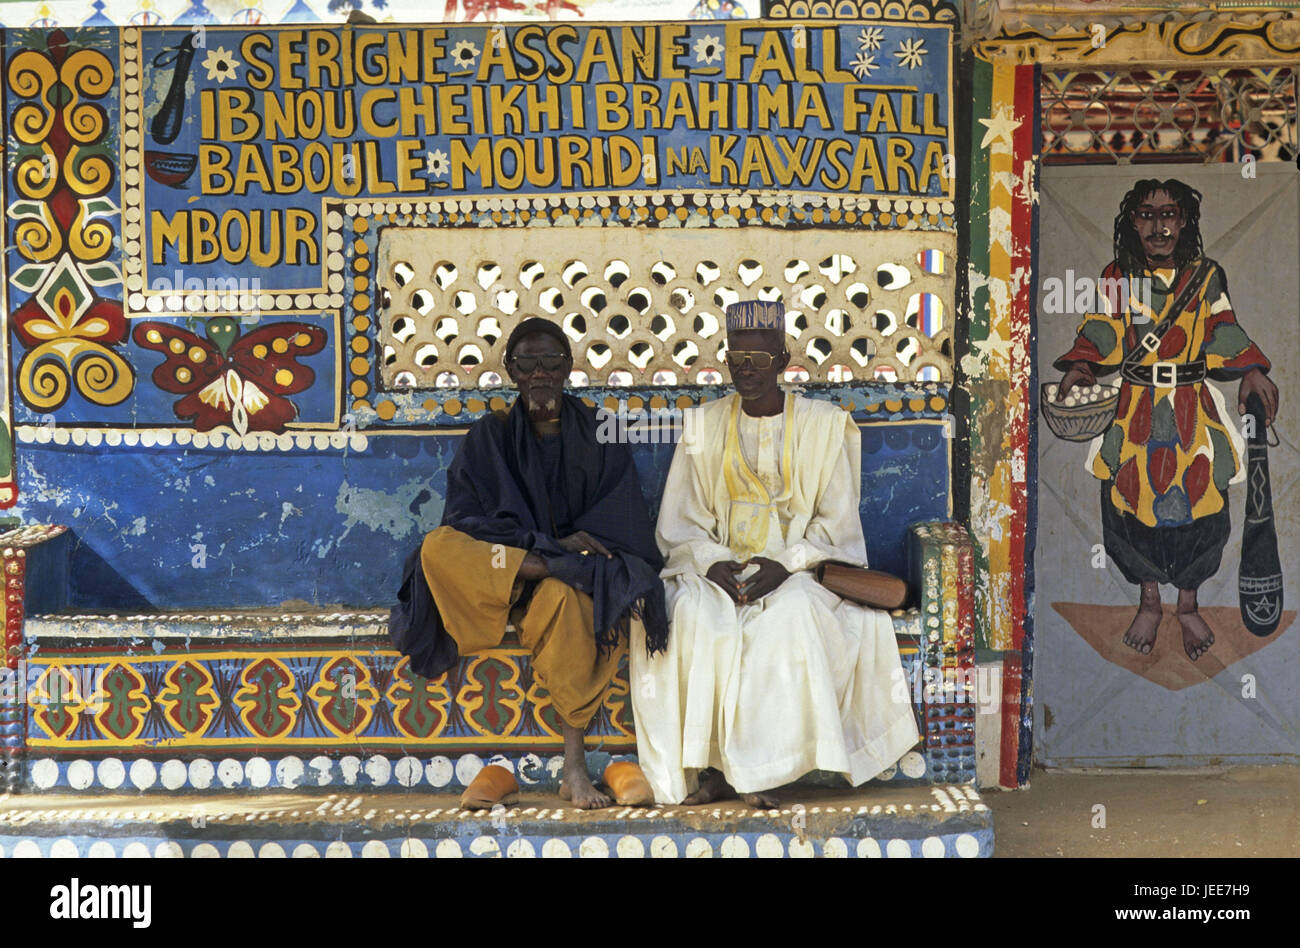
{"x":756,"y":314}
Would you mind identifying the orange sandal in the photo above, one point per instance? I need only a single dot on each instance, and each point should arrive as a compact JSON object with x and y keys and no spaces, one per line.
{"x":628,"y":784}
{"x":494,"y":784}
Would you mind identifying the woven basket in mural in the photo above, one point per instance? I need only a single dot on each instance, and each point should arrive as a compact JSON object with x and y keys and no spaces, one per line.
{"x":1083,"y":421}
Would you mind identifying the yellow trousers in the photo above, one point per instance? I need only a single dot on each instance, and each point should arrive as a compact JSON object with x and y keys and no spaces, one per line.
{"x":475,"y":587}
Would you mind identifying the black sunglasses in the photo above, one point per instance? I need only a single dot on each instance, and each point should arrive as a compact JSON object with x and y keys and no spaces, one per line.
{"x":527,"y":365}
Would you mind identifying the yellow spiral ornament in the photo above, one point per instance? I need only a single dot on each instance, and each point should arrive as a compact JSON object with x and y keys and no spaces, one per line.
{"x":89,"y":241}
{"x":103,"y":377}
{"x":87,"y":174}
{"x":37,"y":175}
{"x":32,"y":75}
{"x":100,"y":374}
{"x":37,"y":240}
{"x":43,"y":378}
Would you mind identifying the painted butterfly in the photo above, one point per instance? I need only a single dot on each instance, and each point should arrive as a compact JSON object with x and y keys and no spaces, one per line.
{"x":233,"y":379}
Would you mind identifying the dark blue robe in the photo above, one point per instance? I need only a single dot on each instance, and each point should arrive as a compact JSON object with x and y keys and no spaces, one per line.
{"x":508,"y":486}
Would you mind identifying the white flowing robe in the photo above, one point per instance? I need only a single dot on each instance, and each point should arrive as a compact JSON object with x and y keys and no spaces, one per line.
{"x":798,"y":681}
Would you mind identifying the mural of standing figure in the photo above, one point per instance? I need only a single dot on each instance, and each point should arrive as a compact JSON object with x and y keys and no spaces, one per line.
{"x":1166,"y":460}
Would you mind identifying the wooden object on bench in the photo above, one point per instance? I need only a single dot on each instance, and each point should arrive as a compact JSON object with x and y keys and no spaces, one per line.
{"x":867,"y":587}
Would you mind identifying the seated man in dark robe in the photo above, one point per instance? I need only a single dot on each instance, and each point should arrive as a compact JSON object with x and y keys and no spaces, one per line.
{"x":546,"y":527}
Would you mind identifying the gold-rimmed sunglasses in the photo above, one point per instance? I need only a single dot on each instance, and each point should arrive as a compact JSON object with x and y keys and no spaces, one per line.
{"x":758,"y":358}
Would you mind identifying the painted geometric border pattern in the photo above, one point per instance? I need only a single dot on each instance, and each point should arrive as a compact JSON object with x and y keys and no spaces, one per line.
{"x":316,"y":697}
{"x":341,"y":761}
{"x":305,"y":697}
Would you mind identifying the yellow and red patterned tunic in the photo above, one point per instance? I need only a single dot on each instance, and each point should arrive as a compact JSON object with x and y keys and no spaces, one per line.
{"x":1169,"y":452}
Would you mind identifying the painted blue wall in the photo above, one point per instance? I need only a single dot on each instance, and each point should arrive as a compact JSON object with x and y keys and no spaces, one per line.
{"x":333,"y":527}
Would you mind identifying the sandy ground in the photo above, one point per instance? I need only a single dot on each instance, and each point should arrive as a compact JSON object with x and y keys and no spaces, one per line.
{"x":1241,"y":811}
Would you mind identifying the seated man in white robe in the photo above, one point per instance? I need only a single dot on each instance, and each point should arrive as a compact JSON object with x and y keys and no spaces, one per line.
{"x":768,"y":675}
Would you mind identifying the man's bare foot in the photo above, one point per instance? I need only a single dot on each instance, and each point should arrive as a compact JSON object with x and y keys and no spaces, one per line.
{"x":761,"y":801}
{"x":713,"y":786}
{"x":1141,"y":634}
{"x":579,"y":790}
{"x":575,"y":784}
{"x":1197,"y":635}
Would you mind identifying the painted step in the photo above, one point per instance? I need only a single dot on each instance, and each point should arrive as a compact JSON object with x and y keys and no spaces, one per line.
{"x":259,"y":700}
{"x":936,"y":821}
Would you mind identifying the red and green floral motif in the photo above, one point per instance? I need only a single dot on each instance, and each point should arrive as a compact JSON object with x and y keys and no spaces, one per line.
{"x":189,"y":700}
{"x":122,"y":692}
{"x":344,"y":697}
{"x":56,"y":702}
{"x":268,"y":702}
{"x":491,"y":698}
{"x":420,"y":705}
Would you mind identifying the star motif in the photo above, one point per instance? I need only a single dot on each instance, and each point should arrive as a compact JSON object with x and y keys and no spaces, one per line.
{"x":911,"y":52}
{"x":870,"y":38}
{"x":708,"y":49}
{"x":999,"y":127}
{"x":993,"y":343}
{"x":864,"y":65}
{"x":435,"y":162}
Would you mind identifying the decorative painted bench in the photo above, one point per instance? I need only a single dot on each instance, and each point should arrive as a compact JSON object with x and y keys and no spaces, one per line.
{"x":242,"y":734}
{"x":185,"y":712}
{"x":207,"y":701}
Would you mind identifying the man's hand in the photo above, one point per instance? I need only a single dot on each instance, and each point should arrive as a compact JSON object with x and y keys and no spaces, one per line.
{"x":533,"y":567}
{"x":1080,"y":373}
{"x":1258,"y":383}
{"x":770,"y":575}
{"x":723,"y":573}
{"x":583,"y":542}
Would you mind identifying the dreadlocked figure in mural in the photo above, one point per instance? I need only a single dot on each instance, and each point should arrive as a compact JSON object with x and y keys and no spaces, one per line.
{"x":1167,"y":459}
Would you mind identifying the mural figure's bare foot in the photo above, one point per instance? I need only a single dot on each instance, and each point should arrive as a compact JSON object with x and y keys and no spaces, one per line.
{"x":1141,"y":634}
{"x":761,"y":801}
{"x":1197,"y":635}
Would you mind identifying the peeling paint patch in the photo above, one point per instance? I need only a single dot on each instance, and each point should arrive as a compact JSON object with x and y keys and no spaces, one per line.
{"x":391,"y":513}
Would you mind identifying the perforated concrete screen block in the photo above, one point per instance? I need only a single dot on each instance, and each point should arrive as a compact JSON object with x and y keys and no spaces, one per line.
{"x":645,"y":307}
